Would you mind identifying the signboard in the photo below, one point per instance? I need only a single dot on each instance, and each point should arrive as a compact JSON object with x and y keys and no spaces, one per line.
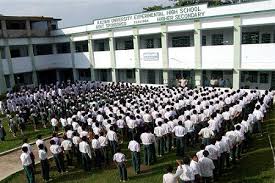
{"x":151,"y":56}
{"x":182,"y":13}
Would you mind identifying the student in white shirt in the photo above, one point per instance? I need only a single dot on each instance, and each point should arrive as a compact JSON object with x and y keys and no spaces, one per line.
{"x":206,"y":134}
{"x":134,"y":147}
{"x":86,"y":154}
{"x":180,"y":133}
{"x":58,"y":156}
{"x":113,"y":140}
{"x":259,"y":119}
{"x":120,"y":159}
{"x":207,"y":167}
{"x":184,"y":172}
{"x":66,"y":144}
{"x":159,"y":133}
{"x":27,"y":165}
{"x":147,"y":141}
{"x":104,"y":148}
{"x":97,"y":150}
{"x":169,"y":177}
{"x":45,"y":168}
{"x":196,"y":168}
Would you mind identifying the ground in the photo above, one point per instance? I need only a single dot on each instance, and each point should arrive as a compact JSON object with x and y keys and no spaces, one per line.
{"x":256,"y":166}
{"x":12,"y":142}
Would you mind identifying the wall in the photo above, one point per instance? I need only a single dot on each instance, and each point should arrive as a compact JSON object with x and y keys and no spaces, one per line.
{"x":102,"y":59}
{"x":258,"y":56}
{"x":155,"y":62}
{"x":217,"y":57}
{"x":82,"y":60}
{"x":21,"y":64}
{"x":125,"y":59}
{"x":182,"y":57}
{"x":45,"y":62}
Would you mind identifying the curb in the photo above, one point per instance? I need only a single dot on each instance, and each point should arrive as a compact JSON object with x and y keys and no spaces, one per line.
{"x":18,"y":148}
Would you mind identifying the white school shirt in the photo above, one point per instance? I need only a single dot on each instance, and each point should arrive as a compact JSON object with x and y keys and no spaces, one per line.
{"x":38,"y":142}
{"x":42,"y":154}
{"x":25,"y":159}
{"x":169,"y":178}
{"x":111,"y":136}
{"x":195,"y":167}
{"x":199,"y":154}
{"x":103,"y":141}
{"x":189,"y":125}
{"x":185,"y":173}
{"x":207,"y":166}
{"x":55,"y":149}
{"x":28,"y":146}
{"x":67,"y":145}
{"x":134,"y":146}
{"x":258,"y":114}
{"x":76,"y":140}
{"x":206,"y":132}
{"x":85,"y":148}
{"x":179,"y":131}
{"x":119,"y":157}
{"x":146,"y":138}
{"x":159,"y":131}
{"x":120,"y":123}
{"x":54,"y":122}
{"x":96,"y":144}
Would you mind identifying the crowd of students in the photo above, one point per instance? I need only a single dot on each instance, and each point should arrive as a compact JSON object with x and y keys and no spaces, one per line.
{"x":97,"y":118}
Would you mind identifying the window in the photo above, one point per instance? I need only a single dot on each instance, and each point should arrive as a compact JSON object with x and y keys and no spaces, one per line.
{"x":149,"y":43}
{"x":129,"y":74}
{"x":250,"y":38}
{"x":18,"y":51}
{"x":43,"y":49}
{"x":217,"y":39}
{"x":2,"y":51}
{"x":183,"y":41}
{"x":81,"y":46}
{"x":266,"y":38}
{"x":16,"y":24}
{"x":63,"y":47}
{"x":129,"y":45}
{"x":263,"y":78}
{"x":54,"y":27}
{"x":203,"y":41}
{"x":253,"y":76}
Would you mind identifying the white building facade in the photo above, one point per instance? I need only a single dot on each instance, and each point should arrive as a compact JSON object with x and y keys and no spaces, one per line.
{"x":233,"y":42}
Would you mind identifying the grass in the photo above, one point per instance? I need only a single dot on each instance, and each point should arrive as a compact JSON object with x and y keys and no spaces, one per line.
{"x":13,"y":142}
{"x":256,"y":166}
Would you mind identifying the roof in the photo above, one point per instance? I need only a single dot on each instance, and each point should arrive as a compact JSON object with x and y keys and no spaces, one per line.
{"x":34,"y":18}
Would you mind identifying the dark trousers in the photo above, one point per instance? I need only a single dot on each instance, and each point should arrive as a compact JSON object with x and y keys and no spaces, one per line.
{"x":153,"y":150}
{"x":180,"y":143}
{"x":113,"y":146}
{"x":45,"y":169}
{"x":206,"y":179}
{"x":86,"y":162}
{"x":29,"y":171}
{"x":136,"y":161}
{"x":69,"y":157}
{"x":59,"y":161}
{"x":98,"y":158}
{"x":147,"y":155}
{"x":160,"y":145}
{"x":105,"y":154}
{"x":77,"y":154}
{"x":122,"y":171}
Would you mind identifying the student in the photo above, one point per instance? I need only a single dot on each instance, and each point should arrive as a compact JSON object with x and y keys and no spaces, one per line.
{"x":113,"y":140}
{"x":146,"y":140}
{"x":58,"y":156}
{"x":169,"y":177}
{"x":134,"y":147}
{"x":2,"y":132}
{"x":45,"y":169}
{"x":86,"y":154}
{"x":67,"y":145}
{"x":180,"y":133}
{"x":259,"y":119}
{"x":27,"y":165}
{"x":196,"y":168}
{"x":104,"y":148}
{"x":97,"y":150}
{"x":206,"y":134}
{"x":26,"y":144}
{"x":185,"y":172}
{"x":207,"y":167}
{"x":159,"y":132}
{"x":120,"y":159}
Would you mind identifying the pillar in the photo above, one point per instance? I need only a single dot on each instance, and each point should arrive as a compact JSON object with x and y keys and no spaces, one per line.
{"x":164,"y":46}
{"x":237,"y":52}
{"x":91,"y":56}
{"x":137,"y":55}
{"x":3,"y":86}
{"x":31,"y":55}
{"x":9,"y":60}
{"x":72,"y":46}
{"x":197,"y":45}
{"x":113,"y":56}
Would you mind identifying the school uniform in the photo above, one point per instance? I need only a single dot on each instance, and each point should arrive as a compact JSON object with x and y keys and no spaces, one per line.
{"x":147,"y":141}
{"x":58,"y":157}
{"x":104,"y":148}
{"x":134,"y":147}
{"x":27,"y":166}
{"x":180,"y":133}
{"x":120,"y":159}
{"x":67,"y":146}
{"x":97,"y":152}
{"x":206,"y":134}
{"x":86,"y":155}
{"x":45,"y":168}
{"x":159,"y":133}
{"x":113,"y":140}
{"x":207,"y":167}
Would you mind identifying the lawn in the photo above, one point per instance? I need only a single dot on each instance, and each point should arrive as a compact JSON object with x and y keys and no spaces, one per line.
{"x":12,"y":142}
{"x":256,"y":166}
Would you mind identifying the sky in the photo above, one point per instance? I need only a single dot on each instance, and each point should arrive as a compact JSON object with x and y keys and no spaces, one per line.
{"x":75,"y":12}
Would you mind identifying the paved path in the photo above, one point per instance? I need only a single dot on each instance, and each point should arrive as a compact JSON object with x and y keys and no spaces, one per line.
{"x":10,"y":163}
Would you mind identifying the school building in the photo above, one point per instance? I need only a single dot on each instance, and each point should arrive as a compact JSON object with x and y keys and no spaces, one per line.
{"x":234,"y":44}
